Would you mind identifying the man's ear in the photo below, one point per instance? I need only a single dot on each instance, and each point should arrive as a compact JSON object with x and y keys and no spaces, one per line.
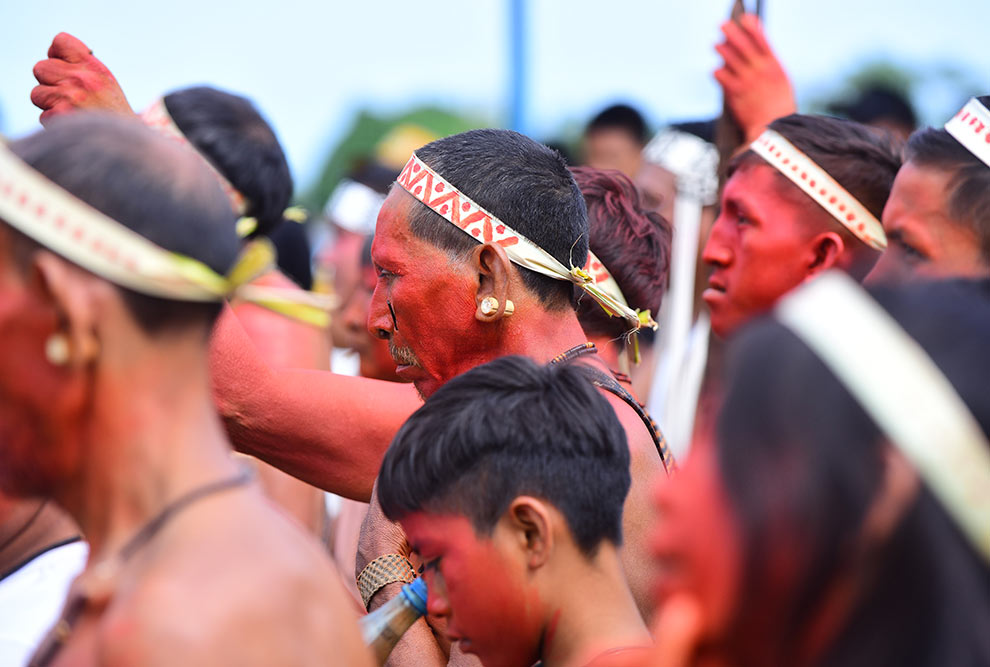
{"x":531,"y":521}
{"x":493,"y":267}
{"x":69,"y":292}
{"x":824,"y":252}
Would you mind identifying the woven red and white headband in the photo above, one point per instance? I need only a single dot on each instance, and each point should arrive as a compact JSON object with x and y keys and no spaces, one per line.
{"x":433,"y":190}
{"x":817,"y":184}
{"x":157,"y":117}
{"x":971,"y":128}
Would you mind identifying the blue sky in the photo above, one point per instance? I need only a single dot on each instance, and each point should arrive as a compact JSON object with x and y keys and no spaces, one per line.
{"x":310,"y":65}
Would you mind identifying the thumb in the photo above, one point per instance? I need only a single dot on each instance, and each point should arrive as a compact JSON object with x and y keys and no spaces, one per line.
{"x":677,"y":631}
{"x":68,"y":48}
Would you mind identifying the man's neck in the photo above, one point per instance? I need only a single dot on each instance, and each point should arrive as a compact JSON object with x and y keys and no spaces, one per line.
{"x":152,"y":435}
{"x":542,"y":335}
{"x":597,"y":613}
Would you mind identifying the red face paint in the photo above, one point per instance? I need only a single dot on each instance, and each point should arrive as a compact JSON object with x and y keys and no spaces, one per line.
{"x":923,"y":240}
{"x":696,"y":541}
{"x":479,"y":585}
{"x":39,"y":404}
{"x":756,"y":248}
{"x":431,"y":322}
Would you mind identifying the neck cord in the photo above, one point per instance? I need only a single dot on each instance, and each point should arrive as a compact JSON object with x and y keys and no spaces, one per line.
{"x":23,"y":529}
{"x":107,"y":568}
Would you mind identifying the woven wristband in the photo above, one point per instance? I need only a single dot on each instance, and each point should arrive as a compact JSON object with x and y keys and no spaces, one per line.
{"x":387,"y":569}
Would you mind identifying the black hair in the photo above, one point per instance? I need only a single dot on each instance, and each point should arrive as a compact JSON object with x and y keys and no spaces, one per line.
{"x":633,"y":244}
{"x":621,"y":117}
{"x":525,"y":185}
{"x":509,"y":428}
{"x":293,"y":252}
{"x":878,"y":103}
{"x":863,"y":160}
{"x":150,"y":186}
{"x":233,"y":136}
{"x":969,"y":197}
{"x":802,"y":462}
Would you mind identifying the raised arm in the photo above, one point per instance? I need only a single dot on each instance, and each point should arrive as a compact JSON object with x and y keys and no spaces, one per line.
{"x":326,"y":429}
{"x":756,"y":86}
{"x":72,"y":78}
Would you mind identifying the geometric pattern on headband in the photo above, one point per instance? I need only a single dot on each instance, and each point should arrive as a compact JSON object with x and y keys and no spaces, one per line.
{"x":801,"y":170}
{"x":971,"y":128}
{"x":68,"y":226}
{"x":438,"y":194}
{"x":909,"y":398}
{"x":158,"y":118}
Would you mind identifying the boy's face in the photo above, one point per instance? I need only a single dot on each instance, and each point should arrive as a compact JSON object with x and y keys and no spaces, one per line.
{"x":481,"y":586}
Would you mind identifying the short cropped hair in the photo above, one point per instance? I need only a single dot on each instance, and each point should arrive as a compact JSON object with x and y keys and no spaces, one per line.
{"x":969,"y":196}
{"x":147,"y":184}
{"x":632,"y":243}
{"x":620,"y":117}
{"x":521,"y":182}
{"x":863,"y":160}
{"x":509,"y":428}
{"x":234,"y":137}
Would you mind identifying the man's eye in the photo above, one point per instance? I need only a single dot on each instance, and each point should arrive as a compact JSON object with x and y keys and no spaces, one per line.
{"x":384,"y":273}
{"x":911,"y":253}
{"x":742,"y":221}
{"x":429,"y":565}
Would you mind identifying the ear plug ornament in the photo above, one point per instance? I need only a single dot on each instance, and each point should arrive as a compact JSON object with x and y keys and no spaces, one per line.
{"x":57,"y":349}
{"x":489,"y":306}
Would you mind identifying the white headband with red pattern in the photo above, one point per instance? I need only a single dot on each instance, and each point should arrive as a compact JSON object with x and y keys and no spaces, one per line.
{"x":971,"y":128}
{"x":433,"y":190}
{"x":820,"y":186}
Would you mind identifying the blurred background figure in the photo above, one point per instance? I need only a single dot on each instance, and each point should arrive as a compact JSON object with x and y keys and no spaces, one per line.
{"x":679,"y":175}
{"x":881,"y":107}
{"x":806,"y":533}
{"x":614,"y":139}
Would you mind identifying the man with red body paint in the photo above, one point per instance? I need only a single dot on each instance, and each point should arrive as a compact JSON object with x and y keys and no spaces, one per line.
{"x":432,"y":281}
{"x":509,"y":482}
{"x":770,"y":236}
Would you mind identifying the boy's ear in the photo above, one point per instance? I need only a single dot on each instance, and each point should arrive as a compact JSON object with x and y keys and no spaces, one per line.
{"x":532,"y":523}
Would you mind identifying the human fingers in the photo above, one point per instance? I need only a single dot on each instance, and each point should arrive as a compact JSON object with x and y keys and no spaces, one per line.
{"x":50,"y":71}
{"x":68,"y":48}
{"x":751,"y":24}
{"x":45,"y":97}
{"x":731,"y":58}
{"x":58,"y":109}
{"x":736,"y":37}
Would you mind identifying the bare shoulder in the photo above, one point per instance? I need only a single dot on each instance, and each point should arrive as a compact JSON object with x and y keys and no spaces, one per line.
{"x":239,"y":585}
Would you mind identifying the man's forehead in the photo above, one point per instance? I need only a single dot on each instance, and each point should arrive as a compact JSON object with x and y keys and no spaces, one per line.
{"x":758,"y":189}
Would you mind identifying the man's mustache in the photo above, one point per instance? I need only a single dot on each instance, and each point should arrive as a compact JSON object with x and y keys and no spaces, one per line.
{"x":402,"y":355}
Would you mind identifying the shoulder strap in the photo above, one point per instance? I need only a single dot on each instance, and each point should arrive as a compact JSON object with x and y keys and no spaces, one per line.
{"x":605,"y":381}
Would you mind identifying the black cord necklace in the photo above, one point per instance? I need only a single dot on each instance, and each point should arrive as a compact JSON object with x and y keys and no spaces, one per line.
{"x":108,"y":567}
{"x":23,"y":529}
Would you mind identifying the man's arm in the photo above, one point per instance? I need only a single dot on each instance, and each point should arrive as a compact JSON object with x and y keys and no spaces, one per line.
{"x":72,"y":79}
{"x":326,"y":429}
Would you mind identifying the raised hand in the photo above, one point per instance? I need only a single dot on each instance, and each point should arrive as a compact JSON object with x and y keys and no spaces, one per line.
{"x":71,"y":78}
{"x":756,"y":86}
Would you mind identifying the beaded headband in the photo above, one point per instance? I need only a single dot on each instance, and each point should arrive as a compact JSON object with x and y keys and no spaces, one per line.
{"x":430,"y":188}
{"x":971,"y":128}
{"x":817,"y":184}
{"x":904,"y":392}
{"x":99,"y":244}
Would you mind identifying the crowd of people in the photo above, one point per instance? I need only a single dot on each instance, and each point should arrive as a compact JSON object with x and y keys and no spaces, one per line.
{"x":686,"y":404}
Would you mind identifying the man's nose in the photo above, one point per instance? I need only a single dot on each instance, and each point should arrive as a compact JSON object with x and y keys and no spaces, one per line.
{"x":379,"y":315}
{"x":437,"y":603}
{"x":717,"y":251}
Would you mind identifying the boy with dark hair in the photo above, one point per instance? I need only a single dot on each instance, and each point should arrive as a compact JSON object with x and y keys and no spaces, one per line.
{"x":510,"y":483}
{"x":614,"y":139}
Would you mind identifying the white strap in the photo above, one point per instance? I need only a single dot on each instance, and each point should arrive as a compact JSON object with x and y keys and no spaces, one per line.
{"x":904,"y":392}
